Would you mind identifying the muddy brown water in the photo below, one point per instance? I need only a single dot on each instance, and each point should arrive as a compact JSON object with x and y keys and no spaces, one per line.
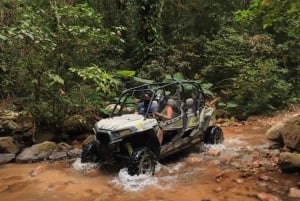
{"x":203,"y":173}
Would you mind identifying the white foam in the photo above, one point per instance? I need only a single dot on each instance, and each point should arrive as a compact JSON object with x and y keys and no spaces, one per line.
{"x":77,"y":165}
{"x":140,"y":182}
{"x":134,"y":183}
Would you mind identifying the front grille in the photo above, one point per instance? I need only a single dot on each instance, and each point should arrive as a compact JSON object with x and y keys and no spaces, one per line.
{"x":102,"y":137}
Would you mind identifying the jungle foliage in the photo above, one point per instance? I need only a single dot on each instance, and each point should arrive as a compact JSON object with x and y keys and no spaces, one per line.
{"x":66,"y":57}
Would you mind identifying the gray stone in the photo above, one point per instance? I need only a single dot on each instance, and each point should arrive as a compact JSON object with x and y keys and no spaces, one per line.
{"x":58,"y":155}
{"x":291,"y":133}
{"x":75,"y":153}
{"x":275,"y":132}
{"x":6,"y":158}
{"x":36,"y":152}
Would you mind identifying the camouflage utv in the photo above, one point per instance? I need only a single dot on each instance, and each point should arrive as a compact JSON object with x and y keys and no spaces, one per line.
{"x":131,"y":139}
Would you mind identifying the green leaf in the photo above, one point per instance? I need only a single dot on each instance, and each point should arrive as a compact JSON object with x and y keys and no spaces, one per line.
{"x":231,"y":105}
{"x":30,"y":36}
{"x":2,"y":37}
{"x":56,"y":79}
{"x":125,"y":73}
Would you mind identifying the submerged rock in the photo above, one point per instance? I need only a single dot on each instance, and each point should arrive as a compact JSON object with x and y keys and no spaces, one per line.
{"x":289,"y":162}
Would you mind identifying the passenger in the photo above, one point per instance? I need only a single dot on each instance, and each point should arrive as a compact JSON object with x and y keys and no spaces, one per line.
{"x":143,"y":106}
{"x":166,"y":114}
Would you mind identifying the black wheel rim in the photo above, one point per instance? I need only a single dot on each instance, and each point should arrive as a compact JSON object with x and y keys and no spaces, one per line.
{"x":146,"y":164}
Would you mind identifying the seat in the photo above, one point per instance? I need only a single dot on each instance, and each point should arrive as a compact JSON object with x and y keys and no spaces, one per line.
{"x":190,"y":105}
{"x":175,"y":106}
{"x":176,"y":121}
{"x":192,"y":119}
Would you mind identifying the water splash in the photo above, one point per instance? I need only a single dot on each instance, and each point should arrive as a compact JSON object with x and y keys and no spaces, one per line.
{"x":77,"y":165}
{"x":139,"y":183}
{"x":134,"y":183}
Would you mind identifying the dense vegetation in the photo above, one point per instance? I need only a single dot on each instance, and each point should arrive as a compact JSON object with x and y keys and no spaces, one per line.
{"x":66,"y":57}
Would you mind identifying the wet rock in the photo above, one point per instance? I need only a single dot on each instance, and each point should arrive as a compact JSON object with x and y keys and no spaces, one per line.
{"x":58,"y":155}
{"x":267,"y":197}
{"x":239,"y":181}
{"x":6,"y":158}
{"x":62,"y":146}
{"x":294,"y":192}
{"x":218,"y":189}
{"x":74,"y":153}
{"x":7,"y":145}
{"x":289,"y":162}
{"x":191,"y":160}
{"x":275,"y":133}
{"x":220,"y":177}
{"x":290,"y":134}
{"x":36,"y":152}
{"x":269,"y":152}
{"x":267,"y":165}
{"x":213,"y":152}
{"x":264,"y":178}
{"x":38,"y":170}
{"x":286,"y":133}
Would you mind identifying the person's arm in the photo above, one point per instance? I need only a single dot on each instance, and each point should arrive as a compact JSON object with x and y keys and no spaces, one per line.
{"x":169,"y":113}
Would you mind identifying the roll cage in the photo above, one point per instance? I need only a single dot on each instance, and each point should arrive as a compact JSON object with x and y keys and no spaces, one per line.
{"x":179,"y":91}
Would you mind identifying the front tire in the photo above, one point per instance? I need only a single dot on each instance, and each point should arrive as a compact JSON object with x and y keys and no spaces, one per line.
{"x":213,"y":135}
{"x":90,"y":153}
{"x":142,"y":162}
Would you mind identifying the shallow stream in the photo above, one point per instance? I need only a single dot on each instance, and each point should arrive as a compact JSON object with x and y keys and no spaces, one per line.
{"x":203,"y":173}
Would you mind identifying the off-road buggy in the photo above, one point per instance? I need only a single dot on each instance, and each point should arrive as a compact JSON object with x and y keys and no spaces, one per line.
{"x":132,"y":139}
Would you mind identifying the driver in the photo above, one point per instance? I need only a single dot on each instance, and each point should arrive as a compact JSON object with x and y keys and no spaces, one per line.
{"x":143,"y":106}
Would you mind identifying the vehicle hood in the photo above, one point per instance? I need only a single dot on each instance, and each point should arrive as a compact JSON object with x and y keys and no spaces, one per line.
{"x":132,"y":121}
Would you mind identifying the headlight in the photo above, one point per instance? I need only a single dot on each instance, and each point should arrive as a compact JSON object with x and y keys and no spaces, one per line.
{"x":124,"y":132}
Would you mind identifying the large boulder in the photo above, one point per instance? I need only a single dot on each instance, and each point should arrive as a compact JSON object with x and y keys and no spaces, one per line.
{"x":36,"y":152}
{"x":6,"y":158}
{"x":275,"y":132}
{"x":287,"y":132}
{"x":291,"y":133}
